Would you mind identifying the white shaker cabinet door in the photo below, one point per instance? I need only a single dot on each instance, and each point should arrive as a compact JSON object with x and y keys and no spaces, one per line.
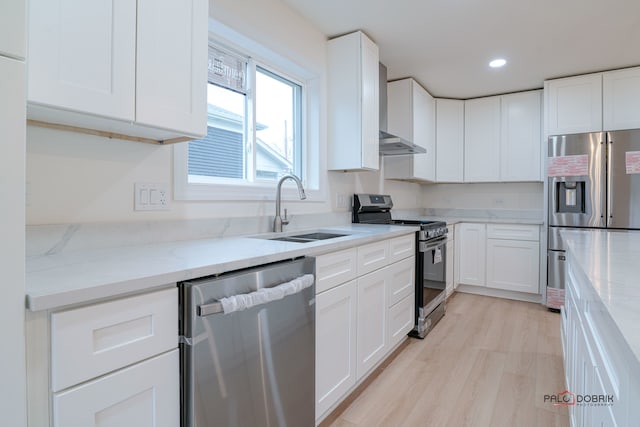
{"x":143,"y":395}
{"x":472,"y":250}
{"x":574,"y":105}
{"x":520,"y":142}
{"x":372,"y":320}
{"x":513,"y":265}
{"x":12,"y":28}
{"x":171,"y":75}
{"x":335,"y":344}
{"x":82,"y":56}
{"x":482,"y":140}
{"x":449,"y":140}
{"x":621,"y":99}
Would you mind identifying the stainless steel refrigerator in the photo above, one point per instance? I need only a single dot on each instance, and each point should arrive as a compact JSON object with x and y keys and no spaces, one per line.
{"x":594,"y":182}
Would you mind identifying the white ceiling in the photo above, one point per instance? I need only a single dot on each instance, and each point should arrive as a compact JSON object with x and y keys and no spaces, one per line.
{"x":446,"y":45}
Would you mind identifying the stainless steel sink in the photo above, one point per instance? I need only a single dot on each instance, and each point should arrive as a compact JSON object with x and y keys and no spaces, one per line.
{"x":308,"y":237}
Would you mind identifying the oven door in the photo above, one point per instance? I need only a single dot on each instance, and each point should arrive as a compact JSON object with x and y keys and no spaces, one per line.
{"x":431,"y":265}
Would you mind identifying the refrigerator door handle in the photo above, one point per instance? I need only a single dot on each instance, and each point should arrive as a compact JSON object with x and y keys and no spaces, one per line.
{"x":610,"y":195}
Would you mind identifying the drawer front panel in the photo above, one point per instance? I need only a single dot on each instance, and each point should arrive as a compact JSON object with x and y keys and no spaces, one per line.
{"x":335,"y":268}
{"x":402,"y":247}
{"x":513,"y":232}
{"x":94,"y":340}
{"x":372,"y":257}
{"x":146,"y":394}
{"x":401,"y":280}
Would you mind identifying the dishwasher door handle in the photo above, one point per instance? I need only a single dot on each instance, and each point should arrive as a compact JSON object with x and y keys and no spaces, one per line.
{"x":259,"y":297}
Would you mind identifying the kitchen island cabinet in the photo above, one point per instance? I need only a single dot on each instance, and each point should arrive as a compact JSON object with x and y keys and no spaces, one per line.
{"x":599,"y":327}
{"x":132,"y":68}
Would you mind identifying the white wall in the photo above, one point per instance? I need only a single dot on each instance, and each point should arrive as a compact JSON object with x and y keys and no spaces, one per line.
{"x":79,"y":178}
{"x":514,"y":196}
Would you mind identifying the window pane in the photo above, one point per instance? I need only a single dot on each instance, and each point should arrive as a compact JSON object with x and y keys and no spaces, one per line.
{"x":221,"y":153}
{"x":277,"y":126}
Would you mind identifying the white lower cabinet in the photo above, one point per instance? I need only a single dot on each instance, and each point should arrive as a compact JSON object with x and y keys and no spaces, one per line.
{"x":472,"y":241}
{"x":372,"y":320}
{"x":146,"y":394}
{"x":499,"y":256}
{"x":335,"y":344}
{"x":358,"y":323}
{"x":449,"y":273}
{"x":513,"y":265}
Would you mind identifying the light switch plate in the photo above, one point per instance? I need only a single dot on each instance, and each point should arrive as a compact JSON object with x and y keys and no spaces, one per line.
{"x":151,"y":196}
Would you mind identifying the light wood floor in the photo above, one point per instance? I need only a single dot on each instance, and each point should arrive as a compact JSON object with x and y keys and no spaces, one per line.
{"x":489,"y":362}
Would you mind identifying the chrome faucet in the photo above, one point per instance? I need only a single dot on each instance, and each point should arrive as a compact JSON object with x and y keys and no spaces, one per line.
{"x":278,"y":222}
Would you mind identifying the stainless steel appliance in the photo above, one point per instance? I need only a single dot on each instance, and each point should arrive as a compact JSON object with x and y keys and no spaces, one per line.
{"x":251,"y":367}
{"x":431,"y":257}
{"x":594,"y":182}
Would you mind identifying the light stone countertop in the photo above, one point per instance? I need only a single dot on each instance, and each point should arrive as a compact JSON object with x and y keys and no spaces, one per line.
{"x":54,"y":281}
{"x":610,"y":262}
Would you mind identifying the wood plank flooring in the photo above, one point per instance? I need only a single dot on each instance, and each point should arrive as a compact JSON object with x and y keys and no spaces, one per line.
{"x":489,"y":362}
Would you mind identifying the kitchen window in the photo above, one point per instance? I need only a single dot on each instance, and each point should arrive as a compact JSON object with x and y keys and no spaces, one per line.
{"x":255,"y":132}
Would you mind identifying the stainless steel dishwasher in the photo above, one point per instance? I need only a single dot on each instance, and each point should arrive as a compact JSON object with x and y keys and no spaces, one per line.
{"x":252,"y":367}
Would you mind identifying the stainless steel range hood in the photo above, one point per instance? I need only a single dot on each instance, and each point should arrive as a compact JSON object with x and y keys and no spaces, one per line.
{"x":392,"y":145}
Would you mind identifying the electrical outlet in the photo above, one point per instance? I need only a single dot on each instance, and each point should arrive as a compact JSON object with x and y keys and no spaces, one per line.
{"x":151,"y":197}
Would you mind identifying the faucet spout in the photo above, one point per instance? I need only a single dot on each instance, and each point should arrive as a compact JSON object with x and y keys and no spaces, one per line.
{"x":278,"y":221}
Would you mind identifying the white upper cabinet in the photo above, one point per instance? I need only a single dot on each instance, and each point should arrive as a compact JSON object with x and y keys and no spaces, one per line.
{"x":353,"y":100}
{"x":82,"y":56}
{"x":520,"y":140}
{"x":574,"y":105}
{"x":412,"y":116}
{"x":621,"y":99}
{"x":135,"y":68}
{"x":172,"y":46}
{"x":12,"y":25}
{"x":449,"y":140}
{"x":482,"y":140}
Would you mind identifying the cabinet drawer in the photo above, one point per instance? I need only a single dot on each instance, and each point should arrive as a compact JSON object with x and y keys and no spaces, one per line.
{"x":94,"y":340}
{"x":146,"y":394}
{"x":401,"y":280}
{"x":513,"y":232}
{"x":335,"y":268}
{"x":401,"y":319}
{"x":402,"y":247}
{"x":372,"y":256}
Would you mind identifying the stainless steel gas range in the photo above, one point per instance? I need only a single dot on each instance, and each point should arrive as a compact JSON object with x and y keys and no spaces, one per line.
{"x":431,"y":257}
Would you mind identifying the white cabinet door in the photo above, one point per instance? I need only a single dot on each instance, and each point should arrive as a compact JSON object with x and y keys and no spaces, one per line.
{"x":82,"y":56}
{"x":621,"y":99}
{"x":353,"y":118}
{"x":335,"y":344}
{"x":146,"y":394}
{"x":12,"y":28}
{"x":513,"y":265}
{"x":449,"y":151}
{"x":482,"y":140}
{"x":574,"y":105}
{"x":171,"y":74}
{"x":472,"y":260}
{"x":520,"y":140}
{"x":401,"y":280}
{"x":401,"y":319}
{"x":372,"y":320}
{"x":372,"y":257}
{"x":335,"y":268}
{"x":411,"y":116}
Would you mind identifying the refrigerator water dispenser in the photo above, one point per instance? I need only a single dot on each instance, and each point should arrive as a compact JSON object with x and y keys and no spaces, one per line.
{"x":570,"y":197}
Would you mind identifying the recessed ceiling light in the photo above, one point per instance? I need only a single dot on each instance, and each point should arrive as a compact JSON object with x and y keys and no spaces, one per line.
{"x":496,"y":63}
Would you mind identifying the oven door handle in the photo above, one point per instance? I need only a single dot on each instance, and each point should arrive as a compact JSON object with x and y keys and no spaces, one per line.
{"x":427,"y":246}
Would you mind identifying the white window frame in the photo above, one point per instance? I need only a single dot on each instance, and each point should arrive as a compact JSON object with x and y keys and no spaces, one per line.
{"x":312,"y":160}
